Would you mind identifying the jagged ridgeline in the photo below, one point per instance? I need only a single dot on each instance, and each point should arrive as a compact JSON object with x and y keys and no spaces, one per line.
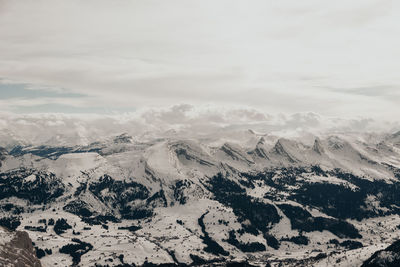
{"x":266,"y":200}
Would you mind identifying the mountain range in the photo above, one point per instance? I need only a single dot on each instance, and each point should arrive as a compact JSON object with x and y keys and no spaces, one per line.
{"x":245,"y":198}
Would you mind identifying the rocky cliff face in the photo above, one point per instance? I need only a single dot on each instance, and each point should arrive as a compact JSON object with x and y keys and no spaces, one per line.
{"x":3,"y":154}
{"x":16,"y":250}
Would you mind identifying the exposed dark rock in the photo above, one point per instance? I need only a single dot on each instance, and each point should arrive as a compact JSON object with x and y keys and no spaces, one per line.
{"x":185,"y":153}
{"x":19,"y":251}
{"x":282,"y":151}
{"x":123,"y":139}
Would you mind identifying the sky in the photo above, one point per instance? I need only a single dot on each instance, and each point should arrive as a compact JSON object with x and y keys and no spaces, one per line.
{"x":334,"y":58}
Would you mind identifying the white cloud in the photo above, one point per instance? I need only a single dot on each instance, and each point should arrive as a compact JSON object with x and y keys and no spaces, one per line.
{"x":184,"y":121}
{"x":271,"y":55}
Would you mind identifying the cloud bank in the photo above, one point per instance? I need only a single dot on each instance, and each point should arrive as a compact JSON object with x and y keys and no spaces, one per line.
{"x":182,"y":121}
{"x":336,"y":58}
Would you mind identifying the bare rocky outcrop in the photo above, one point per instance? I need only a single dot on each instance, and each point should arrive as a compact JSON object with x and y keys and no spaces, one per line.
{"x":3,"y":154}
{"x":16,"y":250}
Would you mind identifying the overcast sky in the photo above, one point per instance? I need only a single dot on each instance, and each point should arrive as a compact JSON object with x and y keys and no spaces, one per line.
{"x":335,"y":58}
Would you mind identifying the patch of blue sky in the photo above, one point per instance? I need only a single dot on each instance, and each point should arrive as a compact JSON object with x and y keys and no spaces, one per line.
{"x":10,"y":91}
{"x":60,"y":108}
{"x":17,"y":90}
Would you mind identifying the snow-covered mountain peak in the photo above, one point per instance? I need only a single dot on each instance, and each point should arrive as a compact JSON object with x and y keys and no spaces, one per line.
{"x":395,"y":139}
{"x":287,"y":149}
{"x":123,"y":139}
{"x":3,"y":153}
{"x":318,"y":147}
{"x":261,"y":141}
